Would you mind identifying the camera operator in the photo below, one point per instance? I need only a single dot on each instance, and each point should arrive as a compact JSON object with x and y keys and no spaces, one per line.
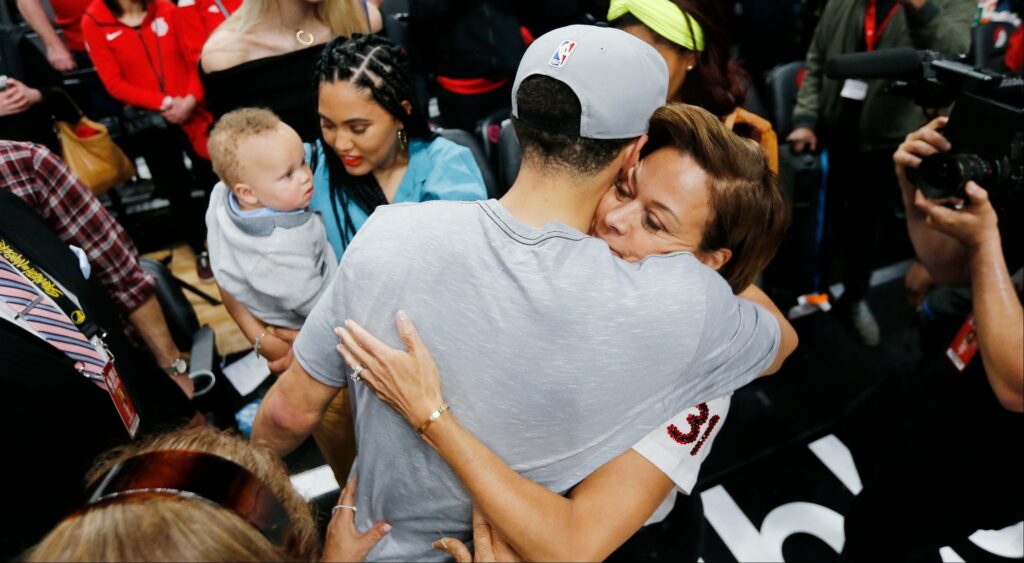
{"x":949,"y":458}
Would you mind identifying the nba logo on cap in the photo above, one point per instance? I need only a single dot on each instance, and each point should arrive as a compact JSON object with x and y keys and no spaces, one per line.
{"x":561,"y":56}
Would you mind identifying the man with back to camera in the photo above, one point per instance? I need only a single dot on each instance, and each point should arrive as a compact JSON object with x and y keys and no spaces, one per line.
{"x":540,"y":331}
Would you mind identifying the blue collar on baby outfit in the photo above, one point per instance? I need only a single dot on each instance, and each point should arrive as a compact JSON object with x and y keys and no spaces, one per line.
{"x":261,"y":212}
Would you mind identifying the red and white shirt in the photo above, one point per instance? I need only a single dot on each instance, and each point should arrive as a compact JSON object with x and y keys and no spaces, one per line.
{"x":142,"y":65}
{"x":680,"y":445}
{"x":198,"y":20}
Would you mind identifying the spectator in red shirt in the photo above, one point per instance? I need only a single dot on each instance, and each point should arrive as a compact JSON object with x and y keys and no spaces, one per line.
{"x":69,"y":53}
{"x":142,"y":63}
{"x":63,"y":55}
{"x":198,"y":20}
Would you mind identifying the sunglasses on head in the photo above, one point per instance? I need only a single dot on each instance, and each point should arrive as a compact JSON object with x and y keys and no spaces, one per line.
{"x":196,"y":476}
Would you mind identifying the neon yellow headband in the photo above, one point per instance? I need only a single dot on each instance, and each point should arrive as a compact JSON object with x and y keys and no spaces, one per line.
{"x":665,"y":18}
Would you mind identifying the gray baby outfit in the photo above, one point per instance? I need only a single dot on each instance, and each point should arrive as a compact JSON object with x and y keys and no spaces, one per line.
{"x":276,"y":264}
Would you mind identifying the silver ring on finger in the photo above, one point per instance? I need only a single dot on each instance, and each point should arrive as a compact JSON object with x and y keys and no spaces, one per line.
{"x":356,"y":372}
{"x":340,"y":506}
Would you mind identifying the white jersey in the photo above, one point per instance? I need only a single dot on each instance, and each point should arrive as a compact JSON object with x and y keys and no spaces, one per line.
{"x":679,"y":446}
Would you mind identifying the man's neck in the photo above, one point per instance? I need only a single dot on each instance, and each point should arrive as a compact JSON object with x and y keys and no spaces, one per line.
{"x":539,"y":196}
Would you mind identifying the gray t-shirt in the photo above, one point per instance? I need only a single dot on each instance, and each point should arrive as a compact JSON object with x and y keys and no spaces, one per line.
{"x":554,"y":353}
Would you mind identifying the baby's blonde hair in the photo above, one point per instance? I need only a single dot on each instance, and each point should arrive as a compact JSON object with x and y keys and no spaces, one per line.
{"x":230,"y":131}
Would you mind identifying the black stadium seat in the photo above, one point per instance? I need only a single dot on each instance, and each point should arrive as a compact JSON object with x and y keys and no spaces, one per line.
{"x":796,"y":267}
{"x":988,"y":44}
{"x":782,"y":88}
{"x":510,"y":156}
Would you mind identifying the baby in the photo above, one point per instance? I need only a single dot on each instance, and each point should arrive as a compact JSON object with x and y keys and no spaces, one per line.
{"x":267,"y":248}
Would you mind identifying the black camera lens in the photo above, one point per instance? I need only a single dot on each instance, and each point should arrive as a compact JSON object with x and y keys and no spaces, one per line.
{"x":946,"y":175}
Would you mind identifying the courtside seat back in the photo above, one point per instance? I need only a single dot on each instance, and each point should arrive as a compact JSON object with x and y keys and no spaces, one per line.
{"x":510,"y":156}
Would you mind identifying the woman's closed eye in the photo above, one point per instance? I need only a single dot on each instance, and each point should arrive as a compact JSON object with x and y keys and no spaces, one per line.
{"x":652,"y":223}
{"x":622,"y":190}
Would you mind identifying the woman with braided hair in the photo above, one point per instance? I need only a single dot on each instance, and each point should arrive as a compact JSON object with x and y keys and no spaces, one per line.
{"x":375,"y":146}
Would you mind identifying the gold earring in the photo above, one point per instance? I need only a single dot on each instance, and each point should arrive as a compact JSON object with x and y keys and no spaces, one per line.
{"x":403,"y":139}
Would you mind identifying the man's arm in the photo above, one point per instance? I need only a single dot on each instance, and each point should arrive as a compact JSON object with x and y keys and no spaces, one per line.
{"x":805,"y":112}
{"x":290,"y":410}
{"x":56,"y":52}
{"x":998,"y":317}
{"x":999,"y":320}
{"x":943,"y":257}
{"x":78,"y":218}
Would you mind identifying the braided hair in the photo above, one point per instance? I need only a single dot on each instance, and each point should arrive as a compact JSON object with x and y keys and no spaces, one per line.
{"x":376,"y":64}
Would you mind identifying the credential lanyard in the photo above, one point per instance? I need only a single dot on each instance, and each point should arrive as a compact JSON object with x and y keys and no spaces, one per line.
{"x":872,"y":29}
{"x":50,"y":288}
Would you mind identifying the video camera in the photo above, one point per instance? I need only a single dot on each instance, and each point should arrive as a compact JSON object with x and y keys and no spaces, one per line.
{"x":986,"y":126}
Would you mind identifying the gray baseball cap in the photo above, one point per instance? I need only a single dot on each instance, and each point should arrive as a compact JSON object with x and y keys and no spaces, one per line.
{"x":619,"y":79}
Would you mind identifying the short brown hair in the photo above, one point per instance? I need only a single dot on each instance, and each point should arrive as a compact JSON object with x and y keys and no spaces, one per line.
{"x":554,"y":101}
{"x":229,"y":131}
{"x":180,"y":529}
{"x":747,"y":212}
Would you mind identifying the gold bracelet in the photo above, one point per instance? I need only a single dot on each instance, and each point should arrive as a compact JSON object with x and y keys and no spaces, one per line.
{"x":431,"y":419}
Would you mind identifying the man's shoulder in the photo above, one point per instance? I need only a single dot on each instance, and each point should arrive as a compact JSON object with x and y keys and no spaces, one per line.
{"x":436,"y":215}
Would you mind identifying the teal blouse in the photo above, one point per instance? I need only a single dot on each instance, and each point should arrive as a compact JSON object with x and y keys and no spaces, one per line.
{"x":438,"y":169}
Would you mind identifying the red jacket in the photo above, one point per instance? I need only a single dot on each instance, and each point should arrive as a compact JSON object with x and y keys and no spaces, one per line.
{"x":142,"y":66}
{"x":68,"y":14}
{"x":198,"y":20}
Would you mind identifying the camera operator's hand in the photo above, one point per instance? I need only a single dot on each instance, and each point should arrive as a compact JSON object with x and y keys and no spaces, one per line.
{"x":926,"y":141}
{"x":973,"y":225}
{"x":802,"y":139}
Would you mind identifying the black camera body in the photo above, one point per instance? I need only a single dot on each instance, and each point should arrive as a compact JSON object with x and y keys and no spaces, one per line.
{"x":986,"y":126}
{"x":986,"y":129}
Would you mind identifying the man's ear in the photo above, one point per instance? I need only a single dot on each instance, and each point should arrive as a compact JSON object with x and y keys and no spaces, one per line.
{"x":245,"y":194}
{"x":632,"y":152}
{"x":716,"y":258}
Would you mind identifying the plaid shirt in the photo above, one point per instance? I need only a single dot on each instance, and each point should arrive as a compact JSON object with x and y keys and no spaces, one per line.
{"x":42,"y":180}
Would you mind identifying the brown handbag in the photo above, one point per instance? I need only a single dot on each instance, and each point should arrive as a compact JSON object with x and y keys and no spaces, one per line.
{"x":94,"y":158}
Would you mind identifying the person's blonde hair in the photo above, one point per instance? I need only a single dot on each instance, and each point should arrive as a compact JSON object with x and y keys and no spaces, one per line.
{"x":747,"y":211}
{"x":160,"y":528}
{"x":229,"y":132}
{"x":344,"y":17}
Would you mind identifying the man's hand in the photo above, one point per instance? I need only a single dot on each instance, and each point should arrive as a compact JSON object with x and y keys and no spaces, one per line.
{"x":802,"y":139}
{"x":344,"y":542}
{"x":973,"y":225}
{"x":60,"y":57}
{"x":17,"y":97}
{"x":179,"y":110}
{"x":276,"y":347}
{"x":926,"y":141}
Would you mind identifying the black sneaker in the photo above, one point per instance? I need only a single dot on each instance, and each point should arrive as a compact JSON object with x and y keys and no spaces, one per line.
{"x":203,"y":269}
